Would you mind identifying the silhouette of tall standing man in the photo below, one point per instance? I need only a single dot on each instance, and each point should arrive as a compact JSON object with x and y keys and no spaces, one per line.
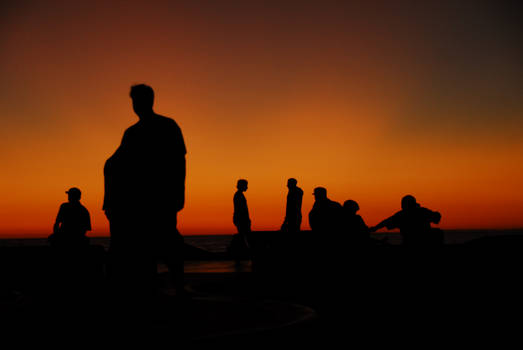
{"x":292,"y":220}
{"x":144,"y":191}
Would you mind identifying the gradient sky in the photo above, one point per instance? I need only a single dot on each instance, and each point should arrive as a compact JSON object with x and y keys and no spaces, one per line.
{"x":371,"y":101}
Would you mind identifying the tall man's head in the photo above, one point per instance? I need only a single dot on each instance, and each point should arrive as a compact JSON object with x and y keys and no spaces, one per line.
{"x":242,"y":185}
{"x":320,"y":193}
{"x":291,"y":183}
{"x":143,"y":99}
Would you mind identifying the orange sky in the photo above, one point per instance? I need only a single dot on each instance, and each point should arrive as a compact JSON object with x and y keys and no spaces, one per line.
{"x":370,"y":102}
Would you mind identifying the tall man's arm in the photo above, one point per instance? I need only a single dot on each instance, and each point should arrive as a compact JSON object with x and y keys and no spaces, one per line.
{"x":180,"y":184}
{"x":110,"y":169}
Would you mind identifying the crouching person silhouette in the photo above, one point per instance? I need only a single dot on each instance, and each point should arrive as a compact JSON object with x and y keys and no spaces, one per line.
{"x":414,"y":222}
{"x":72,"y":223}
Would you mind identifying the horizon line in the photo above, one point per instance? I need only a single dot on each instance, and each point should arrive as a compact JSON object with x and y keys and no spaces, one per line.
{"x":107,"y":234}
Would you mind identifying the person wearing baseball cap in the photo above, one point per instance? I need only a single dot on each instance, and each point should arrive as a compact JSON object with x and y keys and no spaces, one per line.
{"x":325,"y":216}
{"x":72,"y":222}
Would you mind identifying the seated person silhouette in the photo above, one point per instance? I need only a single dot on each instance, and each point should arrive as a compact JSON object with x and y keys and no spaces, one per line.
{"x":292,"y":220}
{"x":241,"y":220}
{"x":325,"y":215}
{"x":72,"y":222}
{"x":356,"y":231}
{"x":413,"y":222}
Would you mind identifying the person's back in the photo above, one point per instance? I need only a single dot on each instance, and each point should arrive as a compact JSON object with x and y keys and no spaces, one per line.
{"x":356,"y":231}
{"x":152,"y":157}
{"x":325,"y":214}
{"x":75,"y":219}
{"x":414,"y":223}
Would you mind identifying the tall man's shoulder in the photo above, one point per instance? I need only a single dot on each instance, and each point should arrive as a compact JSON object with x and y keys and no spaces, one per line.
{"x":166,"y":121}
{"x":171,"y":126}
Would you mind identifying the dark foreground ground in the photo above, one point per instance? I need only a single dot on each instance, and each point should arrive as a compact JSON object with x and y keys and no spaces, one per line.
{"x":299,"y":295}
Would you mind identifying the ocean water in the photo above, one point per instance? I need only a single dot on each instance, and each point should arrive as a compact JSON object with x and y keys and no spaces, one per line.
{"x":215,"y":243}
{"x":219,"y":243}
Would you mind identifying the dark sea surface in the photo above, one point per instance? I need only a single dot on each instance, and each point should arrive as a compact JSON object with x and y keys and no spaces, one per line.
{"x":219,"y":243}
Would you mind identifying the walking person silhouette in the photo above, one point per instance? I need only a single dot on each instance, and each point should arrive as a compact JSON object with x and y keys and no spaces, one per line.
{"x":144,"y":191}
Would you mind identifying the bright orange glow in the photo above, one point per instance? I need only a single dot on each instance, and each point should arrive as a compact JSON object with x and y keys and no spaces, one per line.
{"x":365,"y":110}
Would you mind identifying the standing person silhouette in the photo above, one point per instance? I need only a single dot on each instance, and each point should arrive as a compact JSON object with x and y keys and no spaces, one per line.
{"x":72,"y":222}
{"x":144,"y":191}
{"x":241,"y":217}
{"x":414,"y":222}
{"x":241,"y":220}
{"x":292,"y":221}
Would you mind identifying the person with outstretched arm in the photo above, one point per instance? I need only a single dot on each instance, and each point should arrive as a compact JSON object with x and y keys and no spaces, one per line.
{"x":413,"y":221}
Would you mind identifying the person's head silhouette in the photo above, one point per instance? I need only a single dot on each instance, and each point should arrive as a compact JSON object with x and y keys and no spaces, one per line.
{"x":242,"y":185}
{"x":291,"y":183}
{"x":143,"y":99}
{"x":351,"y":206}
{"x":408,"y":202}
{"x":74,"y":194}
{"x":320,"y":193}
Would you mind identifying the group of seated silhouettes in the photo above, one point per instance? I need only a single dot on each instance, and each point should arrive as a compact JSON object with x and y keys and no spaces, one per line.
{"x":328,"y":218}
